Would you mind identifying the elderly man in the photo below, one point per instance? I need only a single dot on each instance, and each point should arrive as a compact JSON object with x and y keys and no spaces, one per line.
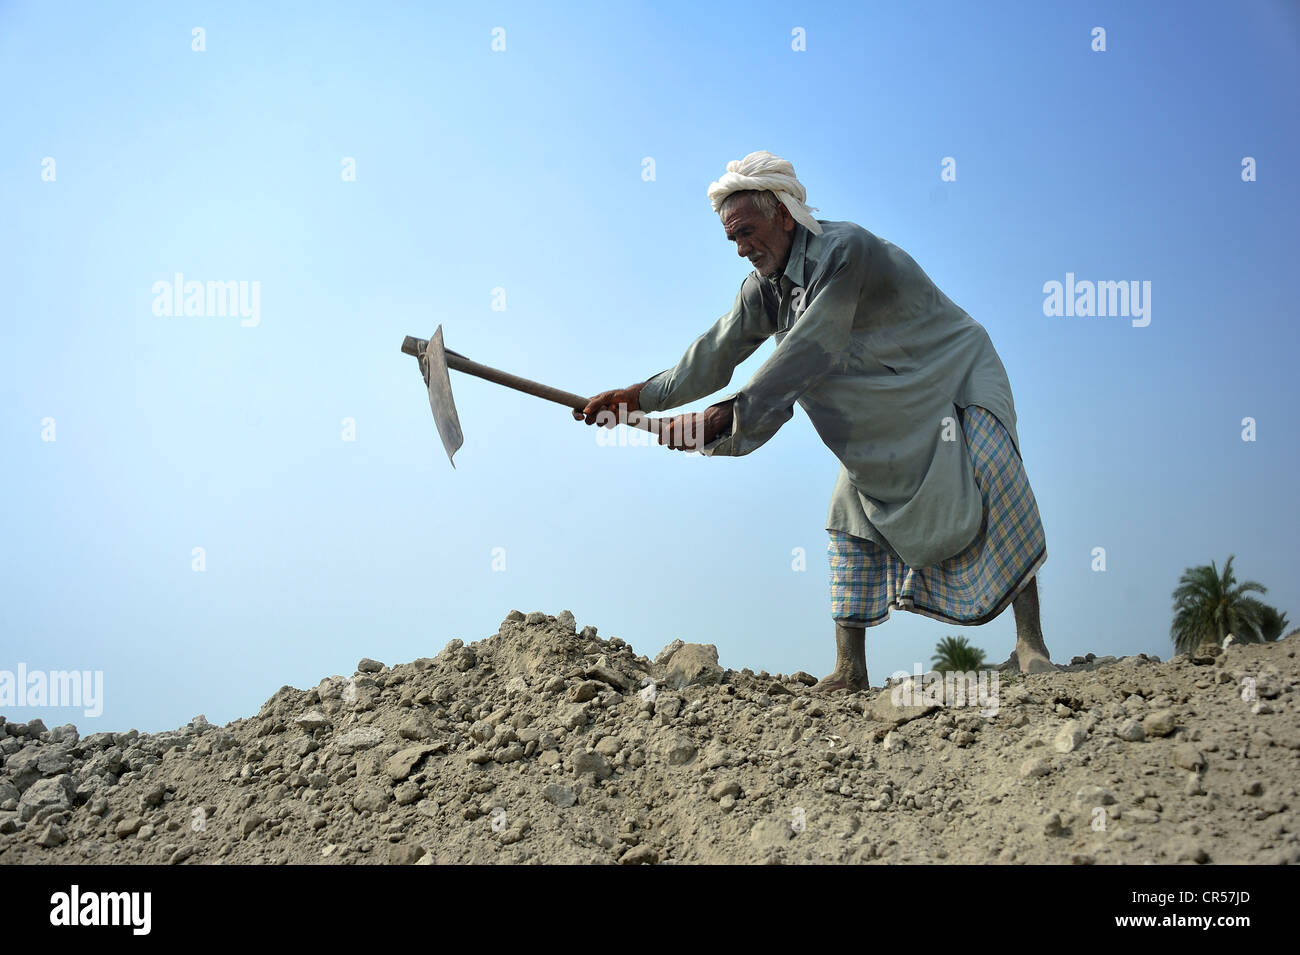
{"x":931,"y":511}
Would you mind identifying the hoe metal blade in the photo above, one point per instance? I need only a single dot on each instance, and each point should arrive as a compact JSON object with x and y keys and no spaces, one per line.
{"x":433,"y":362}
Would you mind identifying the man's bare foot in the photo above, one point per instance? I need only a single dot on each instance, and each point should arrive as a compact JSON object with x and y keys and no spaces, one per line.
{"x":850,"y":662}
{"x":1031,"y":652}
{"x":847,"y":680}
{"x":1032,"y":660}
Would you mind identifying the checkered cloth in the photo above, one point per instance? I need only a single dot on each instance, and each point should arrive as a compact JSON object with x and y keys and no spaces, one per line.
{"x":972,"y":587}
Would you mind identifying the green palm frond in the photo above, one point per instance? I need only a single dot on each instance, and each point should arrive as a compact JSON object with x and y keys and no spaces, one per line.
{"x":1209,"y":605}
{"x":956,"y":654}
{"x":1272,"y":624}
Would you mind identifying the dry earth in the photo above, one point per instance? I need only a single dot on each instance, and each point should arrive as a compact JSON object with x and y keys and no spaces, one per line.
{"x":544,"y":744}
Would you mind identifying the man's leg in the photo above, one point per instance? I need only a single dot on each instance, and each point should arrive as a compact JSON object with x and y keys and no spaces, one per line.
{"x":850,"y":661}
{"x":1031,"y":652}
{"x":854,"y":575}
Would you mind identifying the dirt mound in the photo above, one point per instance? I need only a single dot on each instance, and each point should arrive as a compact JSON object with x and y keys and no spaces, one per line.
{"x":544,"y":744}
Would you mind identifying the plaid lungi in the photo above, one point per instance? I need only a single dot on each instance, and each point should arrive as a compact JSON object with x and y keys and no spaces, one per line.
{"x":970,"y":588}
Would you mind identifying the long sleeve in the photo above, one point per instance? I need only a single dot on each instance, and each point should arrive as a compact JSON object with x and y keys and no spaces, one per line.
{"x":711,"y":358}
{"x":815,"y":343}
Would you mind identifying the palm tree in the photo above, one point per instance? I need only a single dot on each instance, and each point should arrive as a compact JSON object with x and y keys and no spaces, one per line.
{"x":1208,"y":606}
{"x":956,"y":654}
{"x":1271,"y":623}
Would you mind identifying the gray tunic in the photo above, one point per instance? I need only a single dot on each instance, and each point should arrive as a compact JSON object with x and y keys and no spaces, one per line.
{"x":880,"y":360}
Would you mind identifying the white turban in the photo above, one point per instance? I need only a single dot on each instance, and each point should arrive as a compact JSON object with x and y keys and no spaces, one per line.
{"x":762,"y":170}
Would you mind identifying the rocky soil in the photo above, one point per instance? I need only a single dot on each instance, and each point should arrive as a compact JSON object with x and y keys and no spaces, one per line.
{"x":545,"y":744}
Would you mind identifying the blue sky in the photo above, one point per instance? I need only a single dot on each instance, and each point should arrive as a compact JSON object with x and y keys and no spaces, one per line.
{"x":521,"y":169}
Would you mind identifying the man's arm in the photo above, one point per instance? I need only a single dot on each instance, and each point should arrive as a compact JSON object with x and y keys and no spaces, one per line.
{"x":804,"y":357}
{"x":706,"y":366}
{"x":711,"y":358}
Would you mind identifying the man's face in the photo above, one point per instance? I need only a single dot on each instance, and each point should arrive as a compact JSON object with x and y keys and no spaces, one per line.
{"x":765,"y":242}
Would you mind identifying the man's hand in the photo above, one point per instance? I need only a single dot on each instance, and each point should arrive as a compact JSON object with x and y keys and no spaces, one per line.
{"x":618,"y":402}
{"x":691,"y":432}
